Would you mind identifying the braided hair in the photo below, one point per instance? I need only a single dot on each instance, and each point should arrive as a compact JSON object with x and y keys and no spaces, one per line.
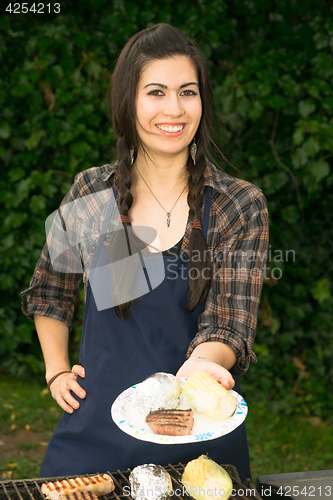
{"x":161,"y":42}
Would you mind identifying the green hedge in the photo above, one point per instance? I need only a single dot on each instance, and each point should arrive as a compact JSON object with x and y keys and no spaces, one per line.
{"x":272,"y":70}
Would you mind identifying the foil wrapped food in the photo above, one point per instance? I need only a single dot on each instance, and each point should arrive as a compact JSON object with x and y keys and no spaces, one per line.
{"x":160,"y":390}
{"x":150,"y":482}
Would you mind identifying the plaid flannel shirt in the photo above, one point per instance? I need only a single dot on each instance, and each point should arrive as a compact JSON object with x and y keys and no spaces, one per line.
{"x":237,"y":242}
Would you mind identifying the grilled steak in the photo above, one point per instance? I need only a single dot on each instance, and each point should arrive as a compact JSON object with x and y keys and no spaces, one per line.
{"x":101,"y":484}
{"x":171,"y":422}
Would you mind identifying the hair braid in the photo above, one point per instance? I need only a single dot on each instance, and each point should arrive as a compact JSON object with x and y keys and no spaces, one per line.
{"x":123,"y":242}
{"x":124,"y":180}
{"x":199,"y":278}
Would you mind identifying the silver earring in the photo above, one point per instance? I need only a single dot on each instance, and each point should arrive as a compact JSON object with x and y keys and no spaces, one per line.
{"x":193,"y":150}
{"x":132,"y":155}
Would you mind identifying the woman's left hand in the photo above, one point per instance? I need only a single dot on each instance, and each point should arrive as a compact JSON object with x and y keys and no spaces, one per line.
{"x":215,"y":370}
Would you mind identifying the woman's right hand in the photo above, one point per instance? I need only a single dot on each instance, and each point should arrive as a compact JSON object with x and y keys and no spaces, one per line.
{"x":62,"y":386}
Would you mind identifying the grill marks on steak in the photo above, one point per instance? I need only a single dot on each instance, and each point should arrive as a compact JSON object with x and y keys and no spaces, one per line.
{"x":171,"y":422}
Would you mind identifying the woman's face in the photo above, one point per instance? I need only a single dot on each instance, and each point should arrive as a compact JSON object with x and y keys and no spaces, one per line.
{"x":168,"y":106}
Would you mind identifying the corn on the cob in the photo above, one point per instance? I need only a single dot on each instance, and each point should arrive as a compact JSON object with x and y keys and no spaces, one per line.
{"x":203,"y":478}
{"x":208,"y":396}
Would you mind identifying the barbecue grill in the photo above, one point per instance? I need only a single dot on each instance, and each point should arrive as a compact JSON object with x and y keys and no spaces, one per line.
{"x":29,"y":489}
{"x":312,"y":485}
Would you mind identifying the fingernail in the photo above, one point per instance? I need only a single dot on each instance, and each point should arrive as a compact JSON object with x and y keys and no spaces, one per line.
{"x":76,"y":405}
{"x":82,"y":394}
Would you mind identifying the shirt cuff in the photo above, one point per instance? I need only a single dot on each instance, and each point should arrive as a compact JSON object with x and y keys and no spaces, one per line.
{"x":244,"y":353}
{"x":30,"y":307}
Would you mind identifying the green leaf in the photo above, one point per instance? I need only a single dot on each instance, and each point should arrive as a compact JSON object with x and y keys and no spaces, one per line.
{"x":243,"y":107}
{"x":256,"y":110}
{"x":275,"y":181}
{"x":7,"y":241}
{"x":263,"y":88}
{"x":299,"y":158}
{"x":80,"y":39}
{"x":65,"y":137}
{"x":306,"y":107}
{"x":16,"y":174}
{"x":277,"y":101}
{"x":300,"y":291}
{"x":322,"y":290}
{"x":298,"y":136}
{"x":289,"y":85}
{"x":261,"y":349}
{"x":80,"y":148}
{"x":275,"y":326}
{"x":34,"y":139}
{"x":5,"y":130}
{"x":227,"y":103}
{"x":290,"y":214}
{"x":14,"y":220}
{"x":322,"y":64}
{"x":311,"y":146}
{"x":327,"y":103}
{"x":21,"y":90}
{"x":93,"y":69}
{"x":37,"y":203}
{"x":296,"y":312}
{"x":321,"y":40}
{"x":320,"y":169}
{"x":318,"y":87}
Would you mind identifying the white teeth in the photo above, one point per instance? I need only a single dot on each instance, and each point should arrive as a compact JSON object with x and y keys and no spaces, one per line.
{"x":169,"y":128}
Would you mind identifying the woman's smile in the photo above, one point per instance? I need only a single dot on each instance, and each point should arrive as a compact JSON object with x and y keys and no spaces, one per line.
{"x":171,"y":129}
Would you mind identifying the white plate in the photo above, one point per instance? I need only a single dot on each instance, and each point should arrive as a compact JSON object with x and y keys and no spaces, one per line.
{"x":130,"y":420}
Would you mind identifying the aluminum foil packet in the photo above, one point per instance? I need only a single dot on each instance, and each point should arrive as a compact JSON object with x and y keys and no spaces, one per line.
{"x":150,"y":482}
{"x":160,"y":390}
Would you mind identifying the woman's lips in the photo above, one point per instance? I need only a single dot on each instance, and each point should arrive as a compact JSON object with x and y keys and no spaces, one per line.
{"x":168,"y":129}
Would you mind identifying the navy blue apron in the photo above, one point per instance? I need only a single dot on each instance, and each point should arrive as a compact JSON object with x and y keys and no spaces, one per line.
{"x":117,"y":354}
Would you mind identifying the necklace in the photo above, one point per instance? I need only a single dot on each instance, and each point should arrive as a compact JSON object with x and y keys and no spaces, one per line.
{"x":168,"y":214}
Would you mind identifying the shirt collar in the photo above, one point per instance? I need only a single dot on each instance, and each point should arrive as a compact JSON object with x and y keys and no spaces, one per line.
{"x":216,"y":178}
{"x":108,"y":170}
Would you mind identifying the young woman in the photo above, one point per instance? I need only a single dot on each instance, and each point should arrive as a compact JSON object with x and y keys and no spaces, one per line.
{"x":212,"y":231}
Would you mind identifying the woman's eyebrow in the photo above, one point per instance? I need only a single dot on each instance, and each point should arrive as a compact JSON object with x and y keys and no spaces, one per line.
{"x":165,"y":86}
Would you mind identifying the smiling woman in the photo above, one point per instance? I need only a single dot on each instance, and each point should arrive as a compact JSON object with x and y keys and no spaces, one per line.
{"x":196,"y":318}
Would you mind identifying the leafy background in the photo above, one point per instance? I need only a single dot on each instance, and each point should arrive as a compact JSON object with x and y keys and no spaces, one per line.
{"x":272,"y":71}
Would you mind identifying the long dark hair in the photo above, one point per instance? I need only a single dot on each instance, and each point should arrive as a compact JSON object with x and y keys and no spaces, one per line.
{"x":161,"y":42}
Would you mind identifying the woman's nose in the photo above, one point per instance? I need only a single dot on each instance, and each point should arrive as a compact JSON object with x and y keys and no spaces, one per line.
{"x":173,"y":107}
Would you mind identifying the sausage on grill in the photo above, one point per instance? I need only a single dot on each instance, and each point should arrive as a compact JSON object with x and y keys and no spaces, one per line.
{"x":100,"y":484}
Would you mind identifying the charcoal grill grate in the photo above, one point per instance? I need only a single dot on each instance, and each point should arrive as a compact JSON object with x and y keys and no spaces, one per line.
{"x":29,"y":489}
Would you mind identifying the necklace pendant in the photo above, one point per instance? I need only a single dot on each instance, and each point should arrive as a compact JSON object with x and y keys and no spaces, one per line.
{"x":168,"y":218}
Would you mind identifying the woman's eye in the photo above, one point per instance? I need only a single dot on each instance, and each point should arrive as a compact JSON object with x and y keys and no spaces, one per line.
{"x":189,"y":92}
{"x":155,"y":92}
